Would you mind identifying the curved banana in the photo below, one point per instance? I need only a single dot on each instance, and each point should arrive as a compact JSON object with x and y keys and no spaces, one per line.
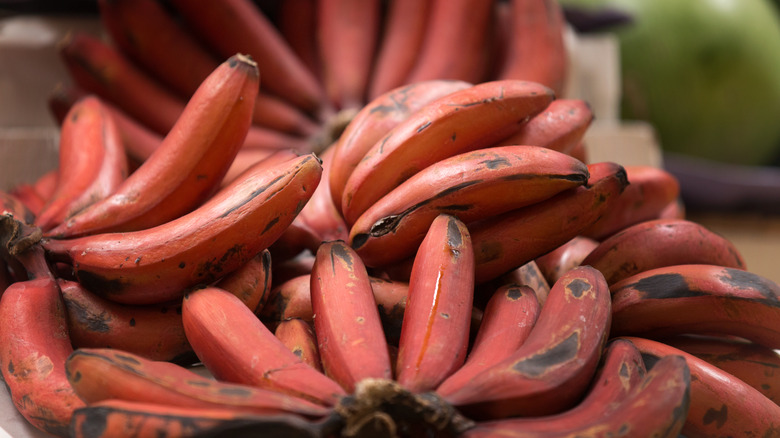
{"x":34,"y":344}
{"x":462,"y":121}
{"x":720,"y":404}
{"x":560,"y":127}
{"x":154,"y":332}
{"x":351,"y":342}
{"x":320,"y":214}
{"x":98,"y":374}
{"x":435,"y":332}
{"x":375,"y":120}
{"x":565,"y":257}
{"x":218,"y":237}
{"x":471,"y":186}
{"x":236,"y":347}
{"x":92,"y":162}
{"x":251,"y":283}
{"x":551,"y":371}
{"x":190,"y":163}
{"x":299,"y":337}
{"x":697,"y":299}
{"x":504,"y":242}
{"x":289,"y":299}
{"x":658,"y":243}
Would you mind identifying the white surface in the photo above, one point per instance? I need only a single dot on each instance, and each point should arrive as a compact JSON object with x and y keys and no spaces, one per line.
{"x":12,"y":424}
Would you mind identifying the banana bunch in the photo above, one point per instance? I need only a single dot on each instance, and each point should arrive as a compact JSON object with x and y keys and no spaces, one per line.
{"x":320,"y":60}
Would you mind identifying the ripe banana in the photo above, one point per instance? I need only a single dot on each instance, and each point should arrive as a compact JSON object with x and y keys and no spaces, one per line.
{"x":251,"y":283}
{"x":506,"y":241}
{"x":465,"y":120}
{"x":297,"y":22}
{"x":650,"y":191}
{"x":560,"y":127}
{"x":528,"y":274}
{"x":454,"y":43}
{"x":435,"y":332}
{"x":565,"y":257}
{"x":375,"y":120}
{"x":351,"y":342}
{"x":720,"y":404}
{"x":154,"y":332}
{"x":471,"y":186}
{"x":538,"y":28}
{"x":98,"y":374}
{"x":190,"y":163}
{"x":92,"y":162}
{"x":238,"y":26}
{"x":289,"y":299}
{"x":320,"y":214}
{"x":247,"y":157}
{"x":299,"y":337}
{"x":697,"y":299}
{"x":404,"y":29}
{"x":508,"y":319}
{"x":754,"y":364}
{"x":236,"y":347}
{"x":217,"y":238}
{"x":661,"y":242}
{"x":551,"y":371}
{"x":34,"y":345}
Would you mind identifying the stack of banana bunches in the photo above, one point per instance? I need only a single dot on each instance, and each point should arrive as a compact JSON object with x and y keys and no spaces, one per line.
{"x":362,"y":218}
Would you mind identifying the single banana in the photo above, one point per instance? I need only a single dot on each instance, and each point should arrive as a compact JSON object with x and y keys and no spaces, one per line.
{"x":217,"y":238}
{"x":236,"y":347}
{"x":720,"y":404}
{"x":471,"y":186}
{"x":92,"y":163}
{"x":661,"y":242}
{"x":435,"y":332}
{"x":251,"y":283}
{"x":299,"y":337}
{"x":551,"y":371}
{"x":351,"y":342}
{"x":560,"y":127}
{"x":320,"y":214}
{"x":469,"y":119}
{"x":565,"y":257}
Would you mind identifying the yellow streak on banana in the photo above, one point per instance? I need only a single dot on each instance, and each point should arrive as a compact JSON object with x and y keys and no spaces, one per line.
{"x":435,"y":331}
{"x":351,"y":341}
{"x":462,"y":121}
{"x":470,"y":186}
{"x":158,"y":264}
{"x":188,"y":166}
{"x":554,"y":366}
{"x":235,"y":346}
{"x":98,"y":374}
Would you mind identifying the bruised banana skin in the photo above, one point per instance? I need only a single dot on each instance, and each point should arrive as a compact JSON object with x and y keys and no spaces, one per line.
{"x":538,"y":34}
{"x":92,"y":162}
{"x":658,"y":243}
{"x":251,"y":283}
{"x":621,"y":370}
{"x":154,"y":332}
{"x":236,"y":347}
{"x":650,"y":191}
{"x":298,"y":335}
{"x":349,"y":331}
{"x":720,"y":404}
{"x":435,"y":331}
{"x":187,"y":168}
{"x":697,"y":299}
{"x":556,"y":363}
{"x":347,"y":23}
{"x":98,"y":374}
{"x":754,"y":364}
{"x":466,"y":120}
{"x":404,"y":28}
{"x":34,"y":344}
{"x":656,"y":407}
{"x":239,"y":26}
{"x":119,"y":418}
{"x":470,"y":186}
{"x":375,"y":120}
{"x":560,"y":127}
{"x":506,"y":323}
{"x":506,"y":241}
{"x":565,"y":257}
{"x":455,"y":41}
{"x":217,"y":238}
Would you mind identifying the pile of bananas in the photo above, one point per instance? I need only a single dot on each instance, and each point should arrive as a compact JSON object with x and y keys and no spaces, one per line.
{"x":449,"y":265}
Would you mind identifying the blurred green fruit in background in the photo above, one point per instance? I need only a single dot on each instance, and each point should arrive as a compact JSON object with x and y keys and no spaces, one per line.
{"x":705,"y":73}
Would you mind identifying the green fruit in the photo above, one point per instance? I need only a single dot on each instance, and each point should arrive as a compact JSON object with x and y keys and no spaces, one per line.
{"x":705,"y":73}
